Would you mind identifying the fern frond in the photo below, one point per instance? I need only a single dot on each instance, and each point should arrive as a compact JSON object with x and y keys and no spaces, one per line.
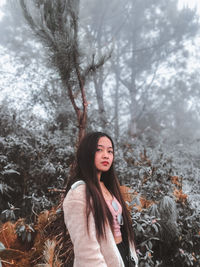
{"x":167,"y":209}
{"x":50,"y":255}
{"x":50,"y":246}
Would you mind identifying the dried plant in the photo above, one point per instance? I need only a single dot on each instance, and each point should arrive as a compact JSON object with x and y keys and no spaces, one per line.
{"x":50,"y":255}
{"x":8,"y":235}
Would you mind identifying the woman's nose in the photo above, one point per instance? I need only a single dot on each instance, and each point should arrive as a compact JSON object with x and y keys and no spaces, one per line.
{"x":105,"y":154}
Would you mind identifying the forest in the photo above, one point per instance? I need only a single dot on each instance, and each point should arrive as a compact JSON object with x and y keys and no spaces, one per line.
{"x":127,"y":68}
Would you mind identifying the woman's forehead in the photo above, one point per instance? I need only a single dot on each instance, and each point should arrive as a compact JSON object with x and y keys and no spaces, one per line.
{"x":105,"y":141}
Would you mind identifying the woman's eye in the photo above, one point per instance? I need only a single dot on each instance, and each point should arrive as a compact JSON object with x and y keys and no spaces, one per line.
{"x":111,"y":152}
{"x":99,"y":149}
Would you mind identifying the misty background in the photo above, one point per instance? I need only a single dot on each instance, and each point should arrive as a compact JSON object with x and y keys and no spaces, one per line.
{"x":146,"y":90}
{"x":127,"y":68}
{"x":148,"y":85}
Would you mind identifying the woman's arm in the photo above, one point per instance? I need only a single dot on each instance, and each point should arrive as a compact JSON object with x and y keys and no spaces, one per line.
{"x":86,"y":247}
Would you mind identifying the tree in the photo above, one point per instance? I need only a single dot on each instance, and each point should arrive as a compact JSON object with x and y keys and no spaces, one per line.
{"x":153,"y":34}
{"x":55,"y":23}
{"x":148,"y":53}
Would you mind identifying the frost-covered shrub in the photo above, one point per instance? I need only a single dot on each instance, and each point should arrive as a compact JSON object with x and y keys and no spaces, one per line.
{"x":32,"y":165}
{"x":167,"y":228}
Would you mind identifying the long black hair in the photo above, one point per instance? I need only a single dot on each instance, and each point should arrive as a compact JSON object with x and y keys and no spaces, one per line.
{"x":85,"y":170}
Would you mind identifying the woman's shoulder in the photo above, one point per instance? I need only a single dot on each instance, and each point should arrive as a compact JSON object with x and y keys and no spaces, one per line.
{"x":76,"y":192}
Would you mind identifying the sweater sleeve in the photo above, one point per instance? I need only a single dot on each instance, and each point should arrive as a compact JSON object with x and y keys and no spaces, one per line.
{"x":86,"y":247}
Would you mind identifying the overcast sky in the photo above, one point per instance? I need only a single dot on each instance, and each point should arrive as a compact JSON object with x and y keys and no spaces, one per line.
{"x":182,"y":3}
{"x":190,"y":3}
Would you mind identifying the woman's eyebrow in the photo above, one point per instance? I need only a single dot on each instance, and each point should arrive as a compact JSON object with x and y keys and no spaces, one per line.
{"x":104,"y":146}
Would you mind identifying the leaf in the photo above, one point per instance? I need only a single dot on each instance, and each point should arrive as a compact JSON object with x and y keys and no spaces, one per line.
{"x":136,"y":200}
{"x":140,"y":228}
{"x":29,"y":237}
{"x":11,"y":172}
{"x":31,"y":228}
{"x":4,"y":188}
{"x":2,"y":247}
{"x":23,"y":236}
{"x":154,"y":210}
{"x":22,"y":228}
{"x":155,"y":227}
{"x":180,"y":196}
{"x":150,"y":245}
{"x":191,"y":243}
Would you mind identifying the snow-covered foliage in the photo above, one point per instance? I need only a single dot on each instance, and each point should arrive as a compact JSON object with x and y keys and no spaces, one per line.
{"x":152,"y":115}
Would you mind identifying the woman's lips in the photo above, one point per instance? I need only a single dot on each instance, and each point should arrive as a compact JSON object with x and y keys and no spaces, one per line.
{"x":105,"y":163}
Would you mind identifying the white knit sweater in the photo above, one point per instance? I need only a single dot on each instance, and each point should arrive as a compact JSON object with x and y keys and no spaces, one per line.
{"x":88,"y":251}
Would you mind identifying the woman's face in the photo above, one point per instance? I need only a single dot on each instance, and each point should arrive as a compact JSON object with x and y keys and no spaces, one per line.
{"x":104,"y":155}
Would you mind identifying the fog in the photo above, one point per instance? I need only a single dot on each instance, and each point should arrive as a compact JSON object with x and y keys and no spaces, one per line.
{"x":149,"y":82}
{"x":127,"y":68}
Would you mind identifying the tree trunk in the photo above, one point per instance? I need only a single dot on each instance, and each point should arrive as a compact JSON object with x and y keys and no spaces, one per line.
{"x":98,"y":84}
{"x":116,"y":103}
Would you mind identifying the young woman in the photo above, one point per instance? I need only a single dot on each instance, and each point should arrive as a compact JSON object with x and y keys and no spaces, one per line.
{"x":94,"y":210}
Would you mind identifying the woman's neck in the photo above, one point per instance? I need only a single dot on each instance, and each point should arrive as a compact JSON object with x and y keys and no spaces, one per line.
{"x":99,"y":176}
